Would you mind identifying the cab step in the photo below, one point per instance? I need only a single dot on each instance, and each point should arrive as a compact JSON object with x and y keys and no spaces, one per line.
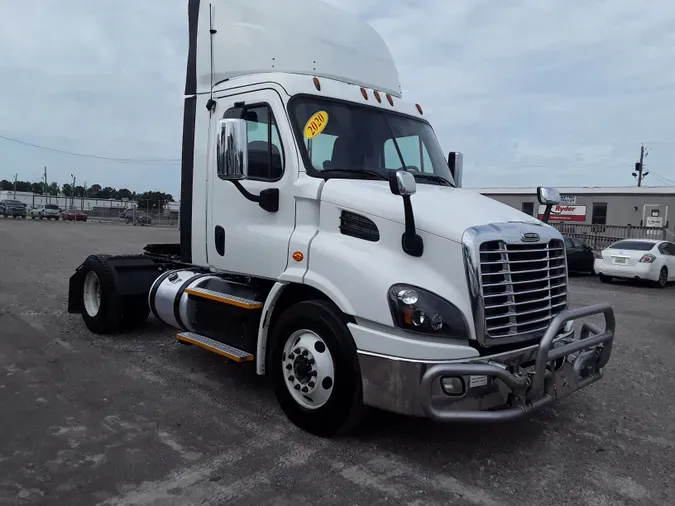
{"x":224,"y":298}
{"x":209,"y":344}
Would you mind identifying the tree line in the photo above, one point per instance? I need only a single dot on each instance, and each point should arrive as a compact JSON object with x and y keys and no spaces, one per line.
{"x":95,"y":191}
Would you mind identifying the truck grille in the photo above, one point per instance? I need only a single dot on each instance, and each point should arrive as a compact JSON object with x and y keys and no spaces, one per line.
{"x":523,"y":286}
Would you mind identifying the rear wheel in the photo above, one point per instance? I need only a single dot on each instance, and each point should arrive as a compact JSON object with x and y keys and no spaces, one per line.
{"x":315,"y":369}
{"x":102,"y":306}
{"x":605,"y":279}
{"x":663,"y":277}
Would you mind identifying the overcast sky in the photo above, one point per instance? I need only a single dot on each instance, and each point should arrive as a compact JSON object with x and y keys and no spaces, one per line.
{"x":554,"y":92}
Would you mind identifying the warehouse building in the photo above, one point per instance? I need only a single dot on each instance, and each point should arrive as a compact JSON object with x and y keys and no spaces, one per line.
{"x":646,"y":206}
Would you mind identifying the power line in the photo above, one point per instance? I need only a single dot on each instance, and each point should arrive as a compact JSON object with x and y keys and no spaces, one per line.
{"x":664,"y":178}
{"x":98,"y":157}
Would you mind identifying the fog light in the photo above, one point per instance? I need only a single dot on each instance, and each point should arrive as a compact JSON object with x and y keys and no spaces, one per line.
{"x":452,"y":385}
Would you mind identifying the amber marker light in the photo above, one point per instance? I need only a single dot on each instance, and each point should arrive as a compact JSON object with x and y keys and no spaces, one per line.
{"x":298,"y":256}
{"x":317,"y":84}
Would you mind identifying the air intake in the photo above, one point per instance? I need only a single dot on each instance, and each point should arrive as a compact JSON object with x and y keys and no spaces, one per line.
{"x":355,"y":225}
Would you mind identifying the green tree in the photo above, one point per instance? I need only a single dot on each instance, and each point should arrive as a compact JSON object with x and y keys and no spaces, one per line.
{"x":53,"y":188}
{"x":23,"y":186}
{"x":38,"y":188}
{"x":123,"y":193}
{"x":94,"y":190}
{"x":79,"y":191}
{"x":6,"y":185}
{"x":66,"y":189}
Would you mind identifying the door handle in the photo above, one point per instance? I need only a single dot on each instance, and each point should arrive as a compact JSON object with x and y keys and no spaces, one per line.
{"x":219,"y":237}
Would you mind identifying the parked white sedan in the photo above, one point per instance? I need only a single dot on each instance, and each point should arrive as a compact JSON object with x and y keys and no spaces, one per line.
{"x":640,"y":259}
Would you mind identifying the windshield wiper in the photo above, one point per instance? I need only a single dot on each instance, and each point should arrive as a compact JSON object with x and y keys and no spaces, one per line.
{"x":356,"y":173}
{"x":432,"y":177}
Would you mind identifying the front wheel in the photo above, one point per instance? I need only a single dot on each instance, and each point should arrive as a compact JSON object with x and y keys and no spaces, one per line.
{"x":315,"y":369}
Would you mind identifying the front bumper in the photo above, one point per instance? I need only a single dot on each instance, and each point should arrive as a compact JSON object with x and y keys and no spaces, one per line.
{"x":500,"y":387}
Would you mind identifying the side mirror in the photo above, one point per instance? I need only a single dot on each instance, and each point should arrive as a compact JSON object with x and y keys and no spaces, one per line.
{"x":456,"y":164}
{"x":402,"y":182}
{"x":548,"y":196}
{"x":232,"y":149}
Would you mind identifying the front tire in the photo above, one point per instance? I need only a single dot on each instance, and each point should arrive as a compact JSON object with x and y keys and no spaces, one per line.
{"x":315,"y":369}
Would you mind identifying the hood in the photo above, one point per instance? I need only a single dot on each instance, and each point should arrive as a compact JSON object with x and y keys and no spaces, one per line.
{"x":439,"y":210}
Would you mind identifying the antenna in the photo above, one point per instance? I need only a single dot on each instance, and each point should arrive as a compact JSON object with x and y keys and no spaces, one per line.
{"x":211,"y":104}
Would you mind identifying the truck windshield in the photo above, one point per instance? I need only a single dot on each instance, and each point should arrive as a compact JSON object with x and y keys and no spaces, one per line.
{"x":336,"y":135}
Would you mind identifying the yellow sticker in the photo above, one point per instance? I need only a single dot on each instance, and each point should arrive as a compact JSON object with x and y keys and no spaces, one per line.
{"x":316,"y":124}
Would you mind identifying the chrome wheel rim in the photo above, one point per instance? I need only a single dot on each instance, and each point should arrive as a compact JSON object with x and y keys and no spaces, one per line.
{"x":308,"y":369}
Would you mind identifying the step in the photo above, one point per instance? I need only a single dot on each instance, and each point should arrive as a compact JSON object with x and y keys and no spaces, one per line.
{"x":209,"y":344}
{"x":224,"y":298}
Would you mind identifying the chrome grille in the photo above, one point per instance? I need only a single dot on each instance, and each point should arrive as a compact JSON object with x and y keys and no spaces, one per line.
{"x":523,"y":286}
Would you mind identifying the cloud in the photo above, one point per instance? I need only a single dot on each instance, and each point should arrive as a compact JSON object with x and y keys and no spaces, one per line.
{"x":560,"y":92}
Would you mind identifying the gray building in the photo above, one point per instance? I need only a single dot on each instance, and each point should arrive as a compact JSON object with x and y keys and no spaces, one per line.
{"x":623,"y":206}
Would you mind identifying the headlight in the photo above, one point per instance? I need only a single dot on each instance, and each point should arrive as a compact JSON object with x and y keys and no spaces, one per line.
{"x":419,"y":310}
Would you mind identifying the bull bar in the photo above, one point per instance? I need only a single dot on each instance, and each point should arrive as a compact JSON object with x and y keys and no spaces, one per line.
{"x":531,"y":391}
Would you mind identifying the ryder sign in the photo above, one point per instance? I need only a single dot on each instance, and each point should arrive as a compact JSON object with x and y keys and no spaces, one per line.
{"x":562,"y":212}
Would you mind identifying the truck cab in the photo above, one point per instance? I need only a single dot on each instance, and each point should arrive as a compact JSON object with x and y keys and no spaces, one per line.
{"x":326,"y":238}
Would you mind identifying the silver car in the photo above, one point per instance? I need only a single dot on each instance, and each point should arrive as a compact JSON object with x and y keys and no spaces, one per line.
{"x":49,"y":211}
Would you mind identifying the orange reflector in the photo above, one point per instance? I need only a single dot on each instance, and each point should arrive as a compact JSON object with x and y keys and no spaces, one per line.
{"x":419,"y":108}
{"x":364,"y":93}
{"x":317,"y":84}
{"x":407,"y":315}
{"x":377,"y":96}
{"x":390,"y":99}
{"x":298,"y":256}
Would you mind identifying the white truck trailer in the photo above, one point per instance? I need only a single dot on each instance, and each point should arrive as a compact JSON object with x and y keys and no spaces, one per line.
{"x":325,"y":238}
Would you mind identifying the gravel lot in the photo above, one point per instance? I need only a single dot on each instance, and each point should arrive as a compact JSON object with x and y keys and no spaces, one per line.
{"x":142,"y":420}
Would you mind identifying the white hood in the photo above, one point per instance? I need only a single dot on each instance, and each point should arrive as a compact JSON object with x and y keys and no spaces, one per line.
{"x":439,"y":210}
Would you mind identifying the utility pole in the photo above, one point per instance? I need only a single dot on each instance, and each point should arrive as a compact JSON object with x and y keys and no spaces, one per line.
{"x":640,"y":173}
{"x":16,"y":178}
{"x":46,"y":188}
{"x":72,"y":193}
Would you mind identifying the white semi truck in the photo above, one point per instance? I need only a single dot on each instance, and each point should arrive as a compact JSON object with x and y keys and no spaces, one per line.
{"x":325,"y":238}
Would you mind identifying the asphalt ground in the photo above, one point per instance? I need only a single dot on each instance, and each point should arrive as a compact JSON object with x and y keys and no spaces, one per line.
{"x":139,"y":419}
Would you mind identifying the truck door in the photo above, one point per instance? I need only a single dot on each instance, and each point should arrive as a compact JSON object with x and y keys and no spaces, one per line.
{"x":242,"y":237}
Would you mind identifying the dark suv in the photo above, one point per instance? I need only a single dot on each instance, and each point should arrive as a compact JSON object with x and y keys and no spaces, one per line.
{"x":12,"y":208}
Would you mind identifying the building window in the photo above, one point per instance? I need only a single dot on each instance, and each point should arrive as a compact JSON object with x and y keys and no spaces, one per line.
{"x":527,"y":208}
{"x":599,"y":213}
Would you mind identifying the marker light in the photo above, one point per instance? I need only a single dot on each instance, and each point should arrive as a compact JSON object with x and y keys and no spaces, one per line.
{"x":364,"y":93}
{"x":317,"y":84}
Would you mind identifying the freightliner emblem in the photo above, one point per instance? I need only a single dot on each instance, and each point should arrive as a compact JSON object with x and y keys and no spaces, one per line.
{"x":529,"y":237}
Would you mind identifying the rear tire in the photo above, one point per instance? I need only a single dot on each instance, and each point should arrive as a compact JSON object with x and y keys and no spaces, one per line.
{"x":605,"y":279}
{"x":102,"y":306}
{"x":663,"y":278}
{"x":334,"y":403}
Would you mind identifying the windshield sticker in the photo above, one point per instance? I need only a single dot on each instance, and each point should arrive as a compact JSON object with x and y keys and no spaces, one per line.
{"x":316,"y":124}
